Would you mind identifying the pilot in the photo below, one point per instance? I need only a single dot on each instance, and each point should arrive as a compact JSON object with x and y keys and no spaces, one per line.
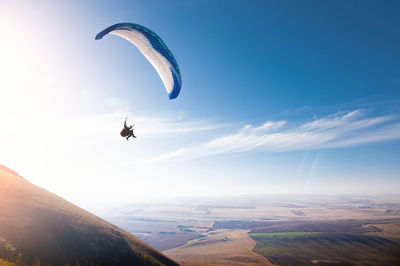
{"x":127,"y":131}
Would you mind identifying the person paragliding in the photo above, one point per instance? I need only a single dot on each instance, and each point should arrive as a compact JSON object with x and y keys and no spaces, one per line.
{"x":156,"y":52}
{"x":127,"y":131}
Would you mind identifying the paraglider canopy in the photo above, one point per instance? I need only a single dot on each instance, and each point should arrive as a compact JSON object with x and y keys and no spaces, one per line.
{"x":154,"y":49}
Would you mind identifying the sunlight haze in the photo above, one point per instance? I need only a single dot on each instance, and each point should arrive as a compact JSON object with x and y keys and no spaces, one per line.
{"x":274,"y":99}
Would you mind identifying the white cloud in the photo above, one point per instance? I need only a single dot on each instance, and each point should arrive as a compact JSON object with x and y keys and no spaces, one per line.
{"x":111,"y":101}
{"x":104,"y":126}
{"x":48,"y":79}
{"x":338,"y":130}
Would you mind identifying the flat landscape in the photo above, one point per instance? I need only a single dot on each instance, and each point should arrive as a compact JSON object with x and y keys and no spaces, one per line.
{"x":262,"y":230}
{"x":309,"y":248}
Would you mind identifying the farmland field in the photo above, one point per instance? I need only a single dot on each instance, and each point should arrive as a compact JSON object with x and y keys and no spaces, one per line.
{"x":265,"y":230}
{"x":309,"y":248}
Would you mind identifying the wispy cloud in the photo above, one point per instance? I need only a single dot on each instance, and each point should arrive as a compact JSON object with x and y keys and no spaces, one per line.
{"x":105,"y":125}
{"x":333,"y":131}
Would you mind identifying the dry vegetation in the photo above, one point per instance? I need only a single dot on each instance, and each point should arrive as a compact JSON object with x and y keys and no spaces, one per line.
{"x":38,"y":226}
{"x":6,"y":263}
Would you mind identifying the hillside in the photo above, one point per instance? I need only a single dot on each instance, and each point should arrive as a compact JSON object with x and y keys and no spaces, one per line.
{"x":38,"y":226}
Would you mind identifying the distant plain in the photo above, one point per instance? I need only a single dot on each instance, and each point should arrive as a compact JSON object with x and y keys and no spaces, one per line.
{"x":258,"y":230}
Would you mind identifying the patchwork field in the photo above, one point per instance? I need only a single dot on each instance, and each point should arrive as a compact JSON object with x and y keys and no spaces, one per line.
{"x":265,"y":230}
{"x":310,"y":248}
{"x":222,"y":247}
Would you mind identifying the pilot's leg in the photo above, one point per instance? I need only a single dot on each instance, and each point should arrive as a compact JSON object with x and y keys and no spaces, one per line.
{"x":131,"y":134}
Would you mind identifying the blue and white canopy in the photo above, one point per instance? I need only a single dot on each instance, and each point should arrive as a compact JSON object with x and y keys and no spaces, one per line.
{"x":154,"y":49}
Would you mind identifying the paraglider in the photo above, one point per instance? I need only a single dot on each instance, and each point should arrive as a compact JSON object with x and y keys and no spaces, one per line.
{"x":127,"y":131}
{"x":156,"y":52}
{"x":154,"y":49}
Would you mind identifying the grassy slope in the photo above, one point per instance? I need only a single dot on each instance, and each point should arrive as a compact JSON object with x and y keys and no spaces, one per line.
{"x":37,"y":224}
{"x":310,"y":248}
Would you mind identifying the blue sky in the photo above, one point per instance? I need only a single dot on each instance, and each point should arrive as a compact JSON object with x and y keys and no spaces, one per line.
{"x":277,"y":97}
